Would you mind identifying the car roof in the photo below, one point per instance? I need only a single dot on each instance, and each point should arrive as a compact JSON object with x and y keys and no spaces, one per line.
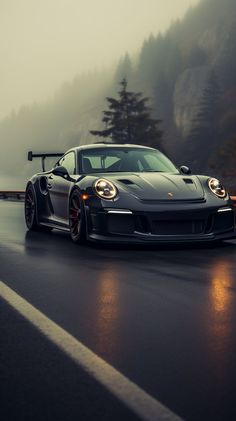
{"x":108,"y":146}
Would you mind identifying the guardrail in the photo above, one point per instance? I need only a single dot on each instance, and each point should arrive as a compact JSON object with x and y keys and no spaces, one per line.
{"x":12,"y":194}
{"x":20,"y":195}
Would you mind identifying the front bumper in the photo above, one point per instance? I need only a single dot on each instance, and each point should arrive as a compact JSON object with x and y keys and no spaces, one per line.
{"x":162,"y":226}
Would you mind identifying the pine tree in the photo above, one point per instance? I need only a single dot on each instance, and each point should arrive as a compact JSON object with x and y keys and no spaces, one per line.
{"x":205,"y":130}
{"x":124,"y":69}
{"x":128,"y":120}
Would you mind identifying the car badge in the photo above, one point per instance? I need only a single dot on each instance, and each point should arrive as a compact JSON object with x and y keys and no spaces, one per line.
{"x":170,"y":194}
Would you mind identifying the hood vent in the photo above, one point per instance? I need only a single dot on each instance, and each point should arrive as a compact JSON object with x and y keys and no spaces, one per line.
{"x":124,"y":181}
{"x":188,"y":181}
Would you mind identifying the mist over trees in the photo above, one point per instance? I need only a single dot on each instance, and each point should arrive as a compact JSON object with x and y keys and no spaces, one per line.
{"x":57,"y":124}
{"x":189,"y":75}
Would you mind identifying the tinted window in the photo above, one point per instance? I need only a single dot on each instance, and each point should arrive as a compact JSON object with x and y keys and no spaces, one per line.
{"x":125,"y":160}
{"x":68,"y":161}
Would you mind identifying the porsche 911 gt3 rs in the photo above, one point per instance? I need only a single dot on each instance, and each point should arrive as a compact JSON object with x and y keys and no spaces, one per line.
{"x":127,"y":194}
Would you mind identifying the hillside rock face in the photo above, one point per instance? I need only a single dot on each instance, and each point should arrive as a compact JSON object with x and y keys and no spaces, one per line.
{"x":187,"y":94}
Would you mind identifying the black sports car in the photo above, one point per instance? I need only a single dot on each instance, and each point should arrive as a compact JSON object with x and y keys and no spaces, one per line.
{"x":127,"y":194}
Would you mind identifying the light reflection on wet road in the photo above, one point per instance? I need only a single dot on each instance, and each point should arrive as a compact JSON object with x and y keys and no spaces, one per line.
{"x":165,"y":317}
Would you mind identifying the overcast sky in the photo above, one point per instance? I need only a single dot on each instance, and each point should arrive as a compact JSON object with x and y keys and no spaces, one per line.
{"x":46,"y":42}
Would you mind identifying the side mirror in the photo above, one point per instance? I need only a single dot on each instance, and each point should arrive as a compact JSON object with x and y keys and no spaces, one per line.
{"x":61,"y":172}
{"x":185,"y":170}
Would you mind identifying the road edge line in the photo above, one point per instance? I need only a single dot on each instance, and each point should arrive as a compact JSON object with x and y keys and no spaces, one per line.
{"x":130,"y":394}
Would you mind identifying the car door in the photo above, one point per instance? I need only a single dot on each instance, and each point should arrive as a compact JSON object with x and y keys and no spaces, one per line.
{"x":59,"y":187}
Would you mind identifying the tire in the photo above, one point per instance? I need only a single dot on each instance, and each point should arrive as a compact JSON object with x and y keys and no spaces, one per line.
{"x":31,"y":211}
{"x":77,"y":221}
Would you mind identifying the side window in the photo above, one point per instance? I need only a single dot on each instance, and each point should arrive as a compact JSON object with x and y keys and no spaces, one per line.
{"x":68,"y":161}
{"x":60,"y":162}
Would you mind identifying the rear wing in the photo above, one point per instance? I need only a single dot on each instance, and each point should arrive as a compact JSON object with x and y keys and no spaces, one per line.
{"x":43,"y":156}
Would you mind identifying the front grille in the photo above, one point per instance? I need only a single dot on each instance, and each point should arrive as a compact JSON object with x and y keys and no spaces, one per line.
{"x":177,"y":227}
{"x":157,"y":224}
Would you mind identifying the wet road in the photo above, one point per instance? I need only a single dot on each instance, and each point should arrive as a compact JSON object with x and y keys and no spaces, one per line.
{"x":164,"y":317}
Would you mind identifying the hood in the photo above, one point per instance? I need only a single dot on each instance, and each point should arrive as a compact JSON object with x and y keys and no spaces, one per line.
{"x":160,"y":186}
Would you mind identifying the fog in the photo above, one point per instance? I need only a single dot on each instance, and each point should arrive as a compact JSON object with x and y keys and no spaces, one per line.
{"x":45,"y":43}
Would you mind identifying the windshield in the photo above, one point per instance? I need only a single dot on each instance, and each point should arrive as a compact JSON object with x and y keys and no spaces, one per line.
{"x":102,"y":160}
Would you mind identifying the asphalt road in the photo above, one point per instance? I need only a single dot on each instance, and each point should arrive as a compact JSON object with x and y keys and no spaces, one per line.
{"x":164,"y":317}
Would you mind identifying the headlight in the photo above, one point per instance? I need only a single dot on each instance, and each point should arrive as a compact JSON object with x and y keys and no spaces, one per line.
{"x":217,"y":188}
{"x":105,"y":189}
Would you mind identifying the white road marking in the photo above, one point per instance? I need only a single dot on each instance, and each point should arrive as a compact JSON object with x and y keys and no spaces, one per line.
{"x":142,"y":404}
